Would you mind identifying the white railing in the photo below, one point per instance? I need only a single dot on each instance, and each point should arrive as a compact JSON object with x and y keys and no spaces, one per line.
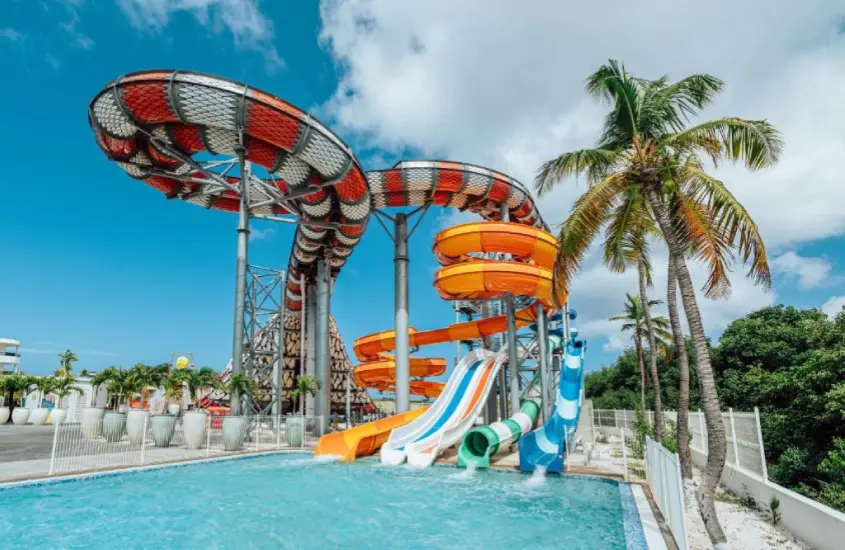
{"x":663,"y":473}
{"x":744,"y":438}
{"x":141,"y":440}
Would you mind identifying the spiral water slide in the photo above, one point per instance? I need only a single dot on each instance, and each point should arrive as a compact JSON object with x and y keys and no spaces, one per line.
{"x":171,"y":128}
{"x":462,"y":277}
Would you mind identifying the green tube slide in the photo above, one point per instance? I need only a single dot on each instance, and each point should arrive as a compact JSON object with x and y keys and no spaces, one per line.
{"x":484,"y":442}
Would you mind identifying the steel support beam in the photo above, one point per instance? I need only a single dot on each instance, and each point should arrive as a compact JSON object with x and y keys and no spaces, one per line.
{"x":513,"y":355}
{"x":490,"y":414}
{"x":543,"y":360}
{"x":324,"y":367}
{"x":240,"y":279}
{"x":310,"y":345}
{"x":401,"y":327}
{"x":279,"y":363}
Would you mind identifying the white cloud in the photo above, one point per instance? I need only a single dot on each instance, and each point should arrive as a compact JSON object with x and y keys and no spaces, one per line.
{"x":71,"y":26}
{"x":833,"y":305}
{"x":501,"y":84}
{"x":809,"y":272}
{"x":11,"y":34}
{"x":250,"y":28}
{"x":259,"y":234}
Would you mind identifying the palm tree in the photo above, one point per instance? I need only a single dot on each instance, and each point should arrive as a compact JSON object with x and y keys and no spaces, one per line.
{"x":65,"y":386}
{"x":634,"y":321}
{"x":66,"y":360}
{"x":683,"y":372}
{"x":42,"y":385}
{"x":174,"y":387}
{"x":198,"y":380}
{"x":98,"y":380}
{"x":647,"y":149}
{"x":305,"y":385}
{"x":237,"y":385}
{"x":123,"y":385}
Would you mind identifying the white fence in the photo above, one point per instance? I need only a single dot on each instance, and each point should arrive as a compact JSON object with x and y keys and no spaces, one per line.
{"x":745,"y":439}
{"x":121,"y":440}
{"x":663,"y":473}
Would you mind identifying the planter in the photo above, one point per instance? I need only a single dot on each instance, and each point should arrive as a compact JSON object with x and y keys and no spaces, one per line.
{"x":136,"y":425}
{"x":114,"y":426}
{"x":193,"y":428}
{"x":4,"y":415}
{"x":163,"y":428}
{"x":234,"y":431}
{"x":174,"y":409}
{"x":57,"y":416}
{"x":38,"y":417}
{"x":294,"y":430}
{"x":92,"y":422}
{"x":20,"y":415}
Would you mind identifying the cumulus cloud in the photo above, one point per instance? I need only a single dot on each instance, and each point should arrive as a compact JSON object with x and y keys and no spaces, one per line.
{"x":833,"y":305}
{"x":11,"y":34}
{"x":249,"y":27}
{"x":807,"y":271}
{"x":501,"y":84}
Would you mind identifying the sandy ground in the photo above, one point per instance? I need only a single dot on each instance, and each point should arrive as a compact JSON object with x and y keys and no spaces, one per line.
{"x":745,"y":528}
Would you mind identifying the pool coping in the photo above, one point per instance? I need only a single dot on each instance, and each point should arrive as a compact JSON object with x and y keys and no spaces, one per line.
{"x":637,"y":515}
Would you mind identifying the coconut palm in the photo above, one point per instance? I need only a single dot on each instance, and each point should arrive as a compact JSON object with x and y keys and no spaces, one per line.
{"x":66,"y":360}
{"x":305,"y":385}
{"x":683,"y":372}
{"x":123,"y":385}
{"x":42,"y":385}
{"x":237,"y":384}
{"x":634,"y":321}
{"x":647,"y":148}
{"x":16,"y":385}
{"x":174,"y":387}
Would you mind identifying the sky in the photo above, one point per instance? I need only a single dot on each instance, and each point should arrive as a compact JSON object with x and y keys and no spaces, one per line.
{"x":99,"y":263}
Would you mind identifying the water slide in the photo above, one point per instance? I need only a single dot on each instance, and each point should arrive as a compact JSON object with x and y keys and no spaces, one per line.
{"x":546,"y":446}
{"x":462,"y":277}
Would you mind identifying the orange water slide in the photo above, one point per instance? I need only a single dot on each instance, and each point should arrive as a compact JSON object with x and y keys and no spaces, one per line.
{"x":462,"y":277}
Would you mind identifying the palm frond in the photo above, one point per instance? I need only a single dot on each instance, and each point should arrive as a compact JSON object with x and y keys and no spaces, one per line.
{"x":733,"y":222}
{"x":594,"y":163}
{"x":756,"y":143}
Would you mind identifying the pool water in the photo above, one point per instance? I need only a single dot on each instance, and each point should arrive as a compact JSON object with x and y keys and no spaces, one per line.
{"x":294,"y":501}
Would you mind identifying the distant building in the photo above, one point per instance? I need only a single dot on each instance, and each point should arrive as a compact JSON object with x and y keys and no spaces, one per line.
{"x":388,"y":406}
{"x":10,"y":355}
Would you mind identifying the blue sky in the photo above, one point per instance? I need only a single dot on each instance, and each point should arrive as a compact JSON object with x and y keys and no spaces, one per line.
{"x":101,"y":264}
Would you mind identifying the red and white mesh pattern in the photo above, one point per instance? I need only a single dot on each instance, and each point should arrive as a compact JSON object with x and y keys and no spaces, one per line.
{"x":140,"y":120}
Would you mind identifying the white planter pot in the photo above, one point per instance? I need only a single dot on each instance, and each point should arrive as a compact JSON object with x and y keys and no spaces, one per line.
{"x":4,"y":415}
{"x":193,"y":427}
{"x":57,"y":416}
{"x":174,"y":409}
{"x":163,"y":428}
{"x":20,"y":415}
{"x":234,"y":431}
{"x":92,"y":422}
{"x":114,"y":426}
{"x":294,"y":429}
{"x":38,"y":416}
{"x":136,"y":425}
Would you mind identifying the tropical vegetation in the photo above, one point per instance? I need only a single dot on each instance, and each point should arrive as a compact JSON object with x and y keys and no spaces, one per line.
{"x":648,"y":170}
{"x":305,"y":385}
{"x":788,"y":362}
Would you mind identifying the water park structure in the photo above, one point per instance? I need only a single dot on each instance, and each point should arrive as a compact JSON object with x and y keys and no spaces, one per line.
{"x":223,"y":145}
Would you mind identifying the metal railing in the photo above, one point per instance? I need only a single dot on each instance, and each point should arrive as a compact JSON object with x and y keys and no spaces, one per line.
{"x":744,"y":437}
{"x":663,"y":473}
{"x":138,"y":439}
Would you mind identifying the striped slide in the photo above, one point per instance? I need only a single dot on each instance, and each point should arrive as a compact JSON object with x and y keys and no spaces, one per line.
{"x":451,"y":415}
{"x":545,"y":447}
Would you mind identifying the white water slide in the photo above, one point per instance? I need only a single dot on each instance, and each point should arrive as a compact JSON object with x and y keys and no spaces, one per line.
{"x":452,"y":414}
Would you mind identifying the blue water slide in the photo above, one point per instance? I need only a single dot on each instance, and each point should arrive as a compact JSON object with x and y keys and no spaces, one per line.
{"x":546,"y":446}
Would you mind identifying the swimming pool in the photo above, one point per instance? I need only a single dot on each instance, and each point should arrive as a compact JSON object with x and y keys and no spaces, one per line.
{"x":294,"y":501}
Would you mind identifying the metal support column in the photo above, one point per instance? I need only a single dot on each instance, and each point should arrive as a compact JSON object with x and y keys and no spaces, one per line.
{"x":513,"y":357}
{"x":310,"y":347}
{"x":240,"y":277}
{"x":400,"y":266}
{"x":324,"y":367}
{"x":543,"y":362}
{"x":279,"y":363}
{"x":490,"y":410}
{"x":501,"y":383}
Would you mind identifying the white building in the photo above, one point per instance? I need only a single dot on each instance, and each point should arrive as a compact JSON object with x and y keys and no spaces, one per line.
{"x":10,"y":355}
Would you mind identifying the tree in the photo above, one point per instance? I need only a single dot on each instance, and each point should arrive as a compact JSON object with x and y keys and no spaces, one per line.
{"x":42,"y":386}
{"x":305,"y":385}
{"x":123,"y":385}
{"x":66,"y":360}
{"x":174,"y":386}
{"x":98,"y":380}
{"x":679,"y":340}
{"x":199,"y":380}
{"x":237,"y":385}
{"x":648,"y":149}
{"x":65,"y":386}
{"x":634,"y":321}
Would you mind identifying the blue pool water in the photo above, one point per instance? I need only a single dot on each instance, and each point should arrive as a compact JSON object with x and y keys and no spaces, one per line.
{"x":294,"y":501}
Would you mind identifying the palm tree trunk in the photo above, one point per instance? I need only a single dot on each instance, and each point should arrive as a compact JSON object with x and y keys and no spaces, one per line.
{"x":716,"y":444}
{"x":652,"y":348}
{"x":683,"y":367}
{"x":638,"y":345}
